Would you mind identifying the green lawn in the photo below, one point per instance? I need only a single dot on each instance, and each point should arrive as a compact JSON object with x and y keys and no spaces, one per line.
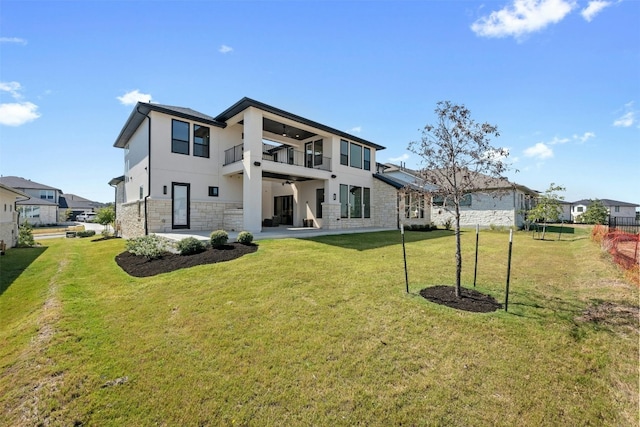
{"x":319,"y":332}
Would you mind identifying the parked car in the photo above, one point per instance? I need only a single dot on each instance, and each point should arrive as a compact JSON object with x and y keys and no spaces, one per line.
{"x":86,"y":216}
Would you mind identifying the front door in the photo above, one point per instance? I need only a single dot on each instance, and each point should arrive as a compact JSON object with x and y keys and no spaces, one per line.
{"x":283,"y":209}
{"x":180,"y":205}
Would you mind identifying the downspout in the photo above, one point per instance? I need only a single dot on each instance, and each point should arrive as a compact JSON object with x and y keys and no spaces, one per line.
{"x":146,"y":224}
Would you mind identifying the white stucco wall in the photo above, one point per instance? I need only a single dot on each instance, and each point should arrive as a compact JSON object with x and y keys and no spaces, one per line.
{"x":8,"y":218}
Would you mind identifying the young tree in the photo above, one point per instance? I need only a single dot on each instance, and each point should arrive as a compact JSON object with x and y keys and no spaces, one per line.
{"x":596,"y":213}
{"x":458,"y":157}
{"x":106,"y":216}
{"x":548,"y":207}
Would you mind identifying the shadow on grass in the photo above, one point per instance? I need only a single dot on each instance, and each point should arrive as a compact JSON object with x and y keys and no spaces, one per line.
{"x":14,"y":262}
{"x":540,"y":306}
{"x":366,"y":241}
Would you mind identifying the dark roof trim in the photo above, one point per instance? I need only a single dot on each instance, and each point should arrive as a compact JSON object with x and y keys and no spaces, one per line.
{"x":117,"y":180}
{"x":143,"y":109}
{"x":245,"y":103}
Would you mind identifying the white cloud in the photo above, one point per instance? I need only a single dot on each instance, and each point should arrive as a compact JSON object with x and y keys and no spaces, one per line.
{"x":522,"y":17}
{"x":13,"y":88}
{"x":629,"y":118}
{"x":556,"y":141}
{"x":584,"y":137}
{"x":401,"y":158}
{"x":16,"y":40}
{"x":594,"y":8}
{"x":355,"y":129}
{"x":540,"y":151}
{"x":626,"y":120}
{"x":133,"y":97}
{"x":225,"y":49}
{"x":18,"y":113}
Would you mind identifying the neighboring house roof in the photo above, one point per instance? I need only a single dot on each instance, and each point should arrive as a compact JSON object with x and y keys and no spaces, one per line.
{"x":71,"y":201}
{"x":26,"y":184}
{"x":117,"y":180}
{"x":13,"y":190}
{"x":142,"y":110}
{"x":35,"y":201}
{"x":605,"y":202}
{"x":482,"y":182}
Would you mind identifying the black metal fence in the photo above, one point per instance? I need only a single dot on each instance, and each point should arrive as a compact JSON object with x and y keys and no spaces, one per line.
{"x":626,"y":224}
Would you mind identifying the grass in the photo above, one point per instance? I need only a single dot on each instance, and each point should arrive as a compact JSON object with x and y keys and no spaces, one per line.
{"x":317,"y":332}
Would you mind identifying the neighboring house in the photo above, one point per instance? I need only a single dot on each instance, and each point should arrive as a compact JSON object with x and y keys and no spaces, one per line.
{"x":251,"y":166}
{"x":9,"y":214}
{"x":615,"y":208}
{"x":72,"y":205}
{"x":493,"y":202}
{"x":411,"y":196}
{"x":42,"y":205}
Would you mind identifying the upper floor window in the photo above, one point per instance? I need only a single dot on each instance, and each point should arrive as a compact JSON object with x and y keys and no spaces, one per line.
{"x":616,"y":208}
{"x":367,"y":158}
{"x":47,"y":194}
{"x":200,"y":141}
{"x":344,"y":152}
{"x":579,"y":209}
{"x":355,"y":153}
{"x":179,"y":137}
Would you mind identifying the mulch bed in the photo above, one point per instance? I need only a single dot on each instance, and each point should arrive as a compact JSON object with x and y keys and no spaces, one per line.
{"x":139,"y":266}
{"x":470,"y":300}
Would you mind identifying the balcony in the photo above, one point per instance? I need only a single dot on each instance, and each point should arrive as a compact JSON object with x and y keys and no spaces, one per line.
{"x":284,"y":155}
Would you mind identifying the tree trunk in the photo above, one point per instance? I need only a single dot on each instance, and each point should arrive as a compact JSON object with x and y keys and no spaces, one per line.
{"x":458,"y":254}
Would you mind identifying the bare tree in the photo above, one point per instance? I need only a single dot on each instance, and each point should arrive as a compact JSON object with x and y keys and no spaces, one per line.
{"x":458,"y":157}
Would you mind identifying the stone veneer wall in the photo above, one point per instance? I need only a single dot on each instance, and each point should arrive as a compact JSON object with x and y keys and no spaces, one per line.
{"x":130,"y":219}
{"x":384,"y":205}
{"x":233,"y":219}
{"x":9,"y":232}
{"x":204,"y":216}
{"x":485,"y":210}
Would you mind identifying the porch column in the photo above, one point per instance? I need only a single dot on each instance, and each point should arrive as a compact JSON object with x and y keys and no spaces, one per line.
{"x":252,"y":166}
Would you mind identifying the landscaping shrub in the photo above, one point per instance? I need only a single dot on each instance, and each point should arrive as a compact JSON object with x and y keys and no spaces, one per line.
{"x":190,"y":246}
{"x":86,"y":233}
{"x":25,"y":236}
{"x":150,"y":246}
{"x":245,"y":237}
{"x":219,"y":238}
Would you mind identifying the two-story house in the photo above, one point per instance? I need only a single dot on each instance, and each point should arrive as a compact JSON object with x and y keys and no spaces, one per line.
{"x":42,"y":205}
{"x":9,"y":215}
{"x":251,"y":166}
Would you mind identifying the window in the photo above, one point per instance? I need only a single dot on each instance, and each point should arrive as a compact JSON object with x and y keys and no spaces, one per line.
{"x":344,"y":152}
{"x":200,"y":141}
{"x":355,"y":153}
{"x":47,"y":194}
{"x":366,"y":201}
{"x":367,"y":158}
{"x":344,"y":201}
{"x":355,"y":201}
{"x":414,"y":205}
{"x":616,"y":208}
{"x":179,"y":137}
{"x":319,"y":201}
{"x":313,"y":153}
{"x":440,"y":201}
{"x":30,"y":211}
{"x":579,"y":209}
{"x":141,"y":192}
{"x":213,"y":191}
{"x":180,"y":195}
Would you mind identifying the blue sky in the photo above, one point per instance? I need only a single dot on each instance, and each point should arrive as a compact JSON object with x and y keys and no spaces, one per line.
{"x":560,"y":78}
